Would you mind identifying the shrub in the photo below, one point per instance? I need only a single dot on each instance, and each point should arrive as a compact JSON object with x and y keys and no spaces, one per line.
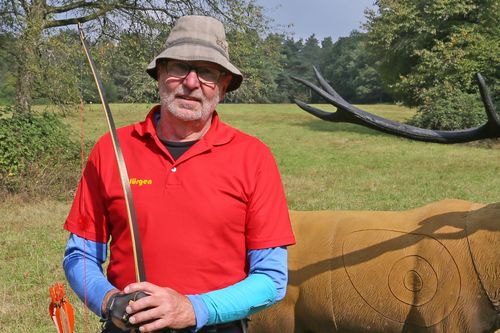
{"x":37,"y":155}
{"x":454,"y":110}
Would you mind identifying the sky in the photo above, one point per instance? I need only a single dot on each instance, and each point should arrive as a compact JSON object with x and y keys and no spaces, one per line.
{"x":324,"y":18}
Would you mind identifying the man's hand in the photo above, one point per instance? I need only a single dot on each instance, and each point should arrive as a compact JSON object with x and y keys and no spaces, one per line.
{"x":164,"y":307}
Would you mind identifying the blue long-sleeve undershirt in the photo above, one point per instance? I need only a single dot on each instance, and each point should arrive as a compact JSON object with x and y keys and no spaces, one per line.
{"x":264,"y":285}
{"x":82,"y":264}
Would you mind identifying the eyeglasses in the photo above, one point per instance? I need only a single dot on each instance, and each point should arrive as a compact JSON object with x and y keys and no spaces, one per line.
{"x":206,"y":74}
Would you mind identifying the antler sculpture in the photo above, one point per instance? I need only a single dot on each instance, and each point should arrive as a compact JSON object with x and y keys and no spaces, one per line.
{"x":350,"y":114}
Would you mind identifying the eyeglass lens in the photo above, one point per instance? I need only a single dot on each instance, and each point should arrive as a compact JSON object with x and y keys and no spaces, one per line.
{"x":205,"y":74}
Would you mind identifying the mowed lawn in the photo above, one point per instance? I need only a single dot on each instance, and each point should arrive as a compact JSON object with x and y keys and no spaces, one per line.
{"x":328,"y":165}
{"x":323,"y":166}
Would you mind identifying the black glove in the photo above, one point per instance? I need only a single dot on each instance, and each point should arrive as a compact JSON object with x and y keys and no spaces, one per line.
{"x":115,"y":309}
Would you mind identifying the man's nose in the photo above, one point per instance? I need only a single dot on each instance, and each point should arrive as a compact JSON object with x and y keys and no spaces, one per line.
{"x":191,"y":80}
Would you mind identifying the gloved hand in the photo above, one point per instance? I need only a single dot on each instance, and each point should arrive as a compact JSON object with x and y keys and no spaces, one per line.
{"x":115,"y":309}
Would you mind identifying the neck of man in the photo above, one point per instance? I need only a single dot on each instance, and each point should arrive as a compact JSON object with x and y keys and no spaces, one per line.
{"x":170,"y":128}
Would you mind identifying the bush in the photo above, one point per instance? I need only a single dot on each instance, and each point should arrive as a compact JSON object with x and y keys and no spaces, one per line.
{"x":449,"y":111}
{"x":37,"y":156}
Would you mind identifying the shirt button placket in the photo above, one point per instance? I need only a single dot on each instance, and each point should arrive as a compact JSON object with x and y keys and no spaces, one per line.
{"x":173,"y":176}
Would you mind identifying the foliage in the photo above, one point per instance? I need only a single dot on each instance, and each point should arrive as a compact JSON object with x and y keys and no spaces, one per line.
{"x":47,"y":65}
{"x":449,"y":109}
{"x":7,"y":78}
{"x":37,"y":154}
{"x":424,"y":43}
{"x":352,"y":69}
{"x":259,"y":60}
{"x":267,"y":61}
{"x":31,"y":22}
{"x":294,"y":65}
{"x":310,"y":55}
{"x":125,"y":71}
{"x":412,"y":46}
{"x":58,"y":78}
{"x":347,"y":64}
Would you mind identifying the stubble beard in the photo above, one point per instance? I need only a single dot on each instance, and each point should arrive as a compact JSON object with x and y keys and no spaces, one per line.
{"x":186,"y":111}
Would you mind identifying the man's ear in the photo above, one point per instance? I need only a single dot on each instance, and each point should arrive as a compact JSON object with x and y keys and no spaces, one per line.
{"x":161,"y":69}
{"x":224,"y":84}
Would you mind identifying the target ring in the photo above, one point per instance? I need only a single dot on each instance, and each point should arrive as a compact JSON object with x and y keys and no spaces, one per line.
{"x":405,"y":277}
{"x":412,"y":280}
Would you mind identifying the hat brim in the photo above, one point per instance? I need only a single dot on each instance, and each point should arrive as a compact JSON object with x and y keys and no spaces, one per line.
{"x":189,"y":52}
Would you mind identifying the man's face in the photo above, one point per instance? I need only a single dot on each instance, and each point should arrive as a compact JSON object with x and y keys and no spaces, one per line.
{"x":191,"y":98}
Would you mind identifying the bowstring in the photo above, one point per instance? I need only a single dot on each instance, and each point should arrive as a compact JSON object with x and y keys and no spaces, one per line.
{"x":82,"y":167}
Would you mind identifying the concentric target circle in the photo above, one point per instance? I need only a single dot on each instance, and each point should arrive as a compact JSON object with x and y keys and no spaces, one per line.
{"x":405,"y":277}
{"x":412,"y":280}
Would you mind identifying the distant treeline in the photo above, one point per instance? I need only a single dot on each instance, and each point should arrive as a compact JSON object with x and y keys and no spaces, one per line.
{"x":424,"y":54}
{"x":267,"y":63}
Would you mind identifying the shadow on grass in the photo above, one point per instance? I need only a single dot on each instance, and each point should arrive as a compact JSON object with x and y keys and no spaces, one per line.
{"x":326,"y":126}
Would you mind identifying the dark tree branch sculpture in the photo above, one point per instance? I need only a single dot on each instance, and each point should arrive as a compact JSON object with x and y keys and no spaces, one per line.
{"x":348,"y":113}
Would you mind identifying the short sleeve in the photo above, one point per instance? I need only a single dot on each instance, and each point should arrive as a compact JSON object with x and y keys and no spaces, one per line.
{"x":87,"y":217}
{"x":268,"y":221}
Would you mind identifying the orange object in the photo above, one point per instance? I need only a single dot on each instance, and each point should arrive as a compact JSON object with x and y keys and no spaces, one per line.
{"x":61,"y":310}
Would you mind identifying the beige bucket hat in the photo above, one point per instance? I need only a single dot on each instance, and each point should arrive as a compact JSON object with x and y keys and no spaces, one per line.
{"x":195,"y":38}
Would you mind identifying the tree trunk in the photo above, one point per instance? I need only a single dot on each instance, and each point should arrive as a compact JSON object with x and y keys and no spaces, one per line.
{"x":27,"y":59}
{"x":24,"y":86}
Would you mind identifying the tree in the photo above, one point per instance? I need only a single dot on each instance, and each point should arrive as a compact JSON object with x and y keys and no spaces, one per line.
{"x":426,"y":44}
{"x":7,"y":79}
{"x":295,"y":64}
{"x":310,"y":55}
{"x":125,"y":71}
{"x":260,"y":61}
{"x":60,"y":52}
{"x":350,"y":66}
{"x":32,"y":21}
{"x":347,"y":64}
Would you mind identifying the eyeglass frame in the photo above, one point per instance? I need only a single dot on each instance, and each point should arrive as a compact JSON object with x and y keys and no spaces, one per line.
{"x":190,"y":67}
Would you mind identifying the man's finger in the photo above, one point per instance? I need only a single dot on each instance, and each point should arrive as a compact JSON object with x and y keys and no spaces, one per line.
{"x":153,"y":325}
{"x":142,"y":304}
{"x":140,"y":286}
{"x":148,"y":315}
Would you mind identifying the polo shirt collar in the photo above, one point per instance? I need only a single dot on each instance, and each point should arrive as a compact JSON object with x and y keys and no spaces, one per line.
{"x":218,"y":134}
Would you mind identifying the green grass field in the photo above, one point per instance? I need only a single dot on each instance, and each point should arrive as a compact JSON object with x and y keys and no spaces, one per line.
{"x":323,"y":166}
{"x":344,"y":166}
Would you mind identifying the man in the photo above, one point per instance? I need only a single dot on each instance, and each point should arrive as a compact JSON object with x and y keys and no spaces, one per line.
{"x":212,"y":214}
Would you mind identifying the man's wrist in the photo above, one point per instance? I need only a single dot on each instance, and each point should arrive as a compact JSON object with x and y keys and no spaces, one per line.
{"x":200,"y":311}
{"x":106,"y":302}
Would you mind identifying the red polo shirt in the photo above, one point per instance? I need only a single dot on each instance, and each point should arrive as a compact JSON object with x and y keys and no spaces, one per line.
{"x":197,"y":216}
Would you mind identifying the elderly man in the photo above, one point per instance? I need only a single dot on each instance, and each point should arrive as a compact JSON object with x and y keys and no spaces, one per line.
{"x":212,"y":214}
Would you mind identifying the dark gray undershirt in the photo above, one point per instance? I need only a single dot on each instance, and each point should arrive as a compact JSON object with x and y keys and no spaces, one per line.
{"x":176,"y":149}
